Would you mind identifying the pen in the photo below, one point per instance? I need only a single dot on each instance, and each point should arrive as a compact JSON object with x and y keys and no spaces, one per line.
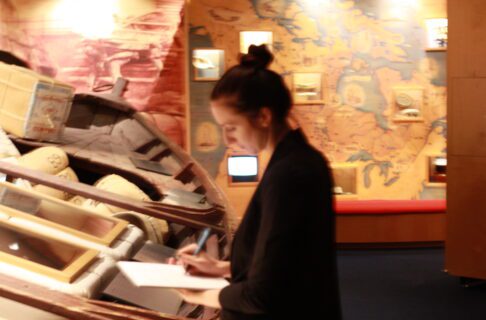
{"x":201,"y":241}
{"x":203,"y":237}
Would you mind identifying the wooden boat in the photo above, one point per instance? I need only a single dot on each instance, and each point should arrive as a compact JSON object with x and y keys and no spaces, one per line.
{"x":105,"y":135}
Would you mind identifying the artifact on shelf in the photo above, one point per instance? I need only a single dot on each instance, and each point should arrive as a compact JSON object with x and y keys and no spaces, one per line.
{"x":408,"y":103}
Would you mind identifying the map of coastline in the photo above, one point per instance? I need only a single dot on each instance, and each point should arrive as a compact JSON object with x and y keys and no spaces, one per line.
{"x":366,"y":51}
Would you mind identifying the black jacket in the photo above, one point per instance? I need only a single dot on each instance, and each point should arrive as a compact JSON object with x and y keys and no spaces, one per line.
{"x":283,"y":261}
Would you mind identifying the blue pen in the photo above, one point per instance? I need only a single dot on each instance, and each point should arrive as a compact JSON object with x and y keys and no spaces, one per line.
{"x":201,"y":241}
{"x":203,"y":237}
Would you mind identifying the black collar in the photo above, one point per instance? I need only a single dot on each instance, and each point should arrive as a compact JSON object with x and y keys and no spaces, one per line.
{"x":288,"y":144}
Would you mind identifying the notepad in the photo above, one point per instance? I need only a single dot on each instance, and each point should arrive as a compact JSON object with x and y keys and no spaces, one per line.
{"x":143,"y":274}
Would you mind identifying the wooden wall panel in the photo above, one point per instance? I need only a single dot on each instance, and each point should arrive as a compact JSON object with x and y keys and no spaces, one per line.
{"x":466,"y":200}
{"x":467,"y":117}
{"x":466,"y":220}
{"x":394,"y":228}
{"x":467,"y":38}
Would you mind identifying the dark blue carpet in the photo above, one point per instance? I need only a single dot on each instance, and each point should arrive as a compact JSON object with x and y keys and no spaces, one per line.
{"x":404,"y":284}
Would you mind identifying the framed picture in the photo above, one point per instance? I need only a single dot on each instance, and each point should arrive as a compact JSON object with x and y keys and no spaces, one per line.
{"x":307,"y":88}
{"x":436,"y":34}
{"x":257,"y":38}
{"x":208,"y":64}
{"x":408,"y":103}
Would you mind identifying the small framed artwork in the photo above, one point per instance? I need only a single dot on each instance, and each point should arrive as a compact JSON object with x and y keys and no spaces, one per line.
{"x":247,"y":38}
{"x":408,"y":104}
{"x":307,"y":88}
{"x":436,"y":34}
{"x":208,"y":64}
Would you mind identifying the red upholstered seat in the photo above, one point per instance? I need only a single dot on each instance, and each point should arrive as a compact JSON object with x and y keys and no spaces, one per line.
{"x":389,"y":206}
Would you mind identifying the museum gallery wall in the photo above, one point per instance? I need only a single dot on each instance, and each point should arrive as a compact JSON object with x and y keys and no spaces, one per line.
{"x":369,"y":88}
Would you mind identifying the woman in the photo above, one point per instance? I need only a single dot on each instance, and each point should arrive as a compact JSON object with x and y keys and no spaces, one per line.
{"x":283,"y":262}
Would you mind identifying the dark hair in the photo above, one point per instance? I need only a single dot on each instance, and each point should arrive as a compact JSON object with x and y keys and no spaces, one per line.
{"x":249,"y":86}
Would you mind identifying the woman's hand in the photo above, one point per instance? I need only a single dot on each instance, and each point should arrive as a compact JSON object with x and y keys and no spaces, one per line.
{"x":204,"y":263}
{"x":209,"y":298}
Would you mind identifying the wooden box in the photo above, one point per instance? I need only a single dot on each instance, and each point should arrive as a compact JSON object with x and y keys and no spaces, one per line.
{"x":33,"y":106}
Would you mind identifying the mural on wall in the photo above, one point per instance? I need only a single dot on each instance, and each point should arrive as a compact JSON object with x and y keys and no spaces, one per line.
{"x":364,"y":49}
{"x":90,"y":44}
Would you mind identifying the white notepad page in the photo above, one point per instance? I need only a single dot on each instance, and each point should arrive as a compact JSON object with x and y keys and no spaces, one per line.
{"x":143,"y":274}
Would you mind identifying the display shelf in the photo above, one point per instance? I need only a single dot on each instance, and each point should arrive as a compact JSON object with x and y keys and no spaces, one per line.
{"x":436,"y":170}
{"x":345,"y":180}
{"x":440,"y":49}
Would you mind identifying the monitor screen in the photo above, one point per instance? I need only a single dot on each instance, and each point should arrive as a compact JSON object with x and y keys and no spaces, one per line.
{"x":440,"y":161}
{"x":243,"y":168}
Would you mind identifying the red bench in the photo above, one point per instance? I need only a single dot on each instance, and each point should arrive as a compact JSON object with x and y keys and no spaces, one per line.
{"x":401,"y":222}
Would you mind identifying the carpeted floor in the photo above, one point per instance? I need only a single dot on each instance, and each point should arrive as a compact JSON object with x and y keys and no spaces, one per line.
{"x":404,"y":284}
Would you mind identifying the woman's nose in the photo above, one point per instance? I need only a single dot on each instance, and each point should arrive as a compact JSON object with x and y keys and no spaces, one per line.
{"x":228,"y":140}
{"x":225,"y":139}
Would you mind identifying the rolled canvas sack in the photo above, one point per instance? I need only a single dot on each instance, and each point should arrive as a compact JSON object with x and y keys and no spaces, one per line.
{"x":156,"y":230}
{"x":50,"y":160}
{"x":68,"y":174}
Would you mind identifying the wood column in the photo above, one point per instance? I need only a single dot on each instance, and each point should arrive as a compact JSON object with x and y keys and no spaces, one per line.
{"x":466,"y":180}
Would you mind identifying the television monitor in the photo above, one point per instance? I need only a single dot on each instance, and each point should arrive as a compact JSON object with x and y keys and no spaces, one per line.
{"x":243,"y":168}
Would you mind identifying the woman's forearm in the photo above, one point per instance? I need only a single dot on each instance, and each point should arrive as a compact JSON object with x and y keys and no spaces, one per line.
{"x":224,"y":267}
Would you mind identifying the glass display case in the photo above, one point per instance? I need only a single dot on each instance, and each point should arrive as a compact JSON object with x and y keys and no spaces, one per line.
{"x":58,"y":214}
{"x":41,"y":253}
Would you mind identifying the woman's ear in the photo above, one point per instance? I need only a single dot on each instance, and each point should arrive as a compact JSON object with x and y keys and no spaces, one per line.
{"x":265,"y":117}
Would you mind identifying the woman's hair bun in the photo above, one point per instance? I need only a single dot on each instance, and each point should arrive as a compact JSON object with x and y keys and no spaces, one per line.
{"x":258,"y":57}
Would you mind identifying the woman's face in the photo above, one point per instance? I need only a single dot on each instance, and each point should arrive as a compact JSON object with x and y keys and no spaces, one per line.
{"x":250,"y":135}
